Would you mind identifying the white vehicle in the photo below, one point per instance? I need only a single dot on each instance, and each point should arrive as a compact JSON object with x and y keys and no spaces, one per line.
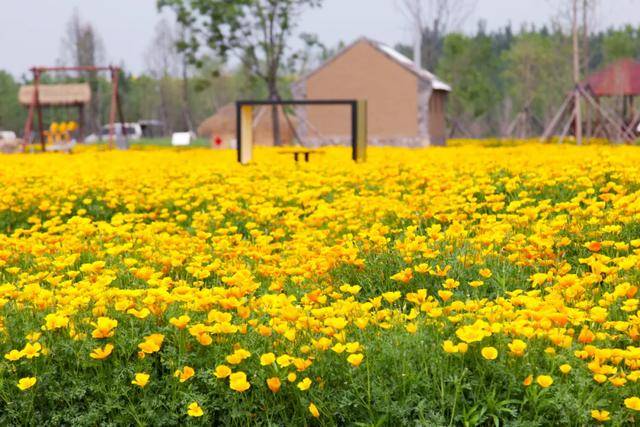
{"x":7,"y":136}
{"x":9,"y":143}
{"x":133,"y":131}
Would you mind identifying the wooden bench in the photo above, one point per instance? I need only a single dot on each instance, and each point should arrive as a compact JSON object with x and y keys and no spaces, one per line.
{"x":297,"y":152}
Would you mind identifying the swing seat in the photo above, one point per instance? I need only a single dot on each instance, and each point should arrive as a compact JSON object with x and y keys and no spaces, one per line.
{"x":66,"y":147}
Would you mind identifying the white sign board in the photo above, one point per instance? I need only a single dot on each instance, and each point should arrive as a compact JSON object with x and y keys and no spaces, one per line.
{"x":181,"y":139}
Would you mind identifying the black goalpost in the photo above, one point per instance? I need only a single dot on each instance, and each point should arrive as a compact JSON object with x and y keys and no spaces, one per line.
{"x":244,"y":124}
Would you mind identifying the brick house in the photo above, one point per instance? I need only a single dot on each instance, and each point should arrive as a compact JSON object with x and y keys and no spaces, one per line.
{"x":406,"y":104}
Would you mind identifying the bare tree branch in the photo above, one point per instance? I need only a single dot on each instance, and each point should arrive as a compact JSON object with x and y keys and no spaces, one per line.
{"x":436,"y":17}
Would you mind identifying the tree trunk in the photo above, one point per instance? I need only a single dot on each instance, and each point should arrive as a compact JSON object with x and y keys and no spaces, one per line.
{"x":164,"y":111}
{"x":576,"y":75}
{"x":275,"y":117}
{"x":186,"y":107}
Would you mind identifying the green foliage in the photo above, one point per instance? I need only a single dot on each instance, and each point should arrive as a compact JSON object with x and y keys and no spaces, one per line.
{"x":256,"y":31}
{"x":620,"y":44}
{"x":12,"y":114}
{"x":496,"y":74}
{"x":526,"y":73}
{"x":471,"y":65}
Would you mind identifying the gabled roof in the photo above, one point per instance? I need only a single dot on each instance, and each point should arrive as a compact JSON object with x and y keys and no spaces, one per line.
{"x":392,"y":54}
{"x":620,"y":78}
{"x":56,"y":94}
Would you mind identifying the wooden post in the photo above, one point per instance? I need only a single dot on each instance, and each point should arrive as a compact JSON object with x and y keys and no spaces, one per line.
{"x":81,"y":122}
{"x":576,"y":74}
{"x":116,"y":84}
{"x":599,"y":121}
{"x":634,"y":116}
{"x":565,"y":131}
{"x":245,"y":133}
{"x":36,"y":95}
{"x":28,"y":125}
{"x":587,"y":118}
{"x":360,"y":135}
{"x":546,"y":136}
{"x":610,"y":117}
{"x":112,"y":112}
{"x":625,"y":109}
{"x":585,"y":55}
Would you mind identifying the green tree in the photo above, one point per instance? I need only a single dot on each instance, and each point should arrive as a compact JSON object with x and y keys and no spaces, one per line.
{"x":141,"y":96}
{"x":12,"y":114}
{"x":535,"y":91}
{"x":621,"y":44}
{"x":256,"y":32}
{"x":472,"y":67}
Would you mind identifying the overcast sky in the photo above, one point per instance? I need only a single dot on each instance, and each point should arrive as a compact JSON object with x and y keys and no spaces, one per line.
{"x":31,"y":30}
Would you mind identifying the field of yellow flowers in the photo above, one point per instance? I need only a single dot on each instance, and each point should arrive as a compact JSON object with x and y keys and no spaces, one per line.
{"x":452,"y":286}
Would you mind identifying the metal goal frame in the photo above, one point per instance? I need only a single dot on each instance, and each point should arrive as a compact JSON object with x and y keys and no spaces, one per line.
{"x":244,"y":124}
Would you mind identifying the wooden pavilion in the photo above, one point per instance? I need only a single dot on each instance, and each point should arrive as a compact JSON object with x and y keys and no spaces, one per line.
{"x":609,"y":99}
{"x":619,"y":80}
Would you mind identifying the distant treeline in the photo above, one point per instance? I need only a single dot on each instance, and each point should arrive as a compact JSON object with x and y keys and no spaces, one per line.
{"x":504,"y":82}
{"x":507,"y":82}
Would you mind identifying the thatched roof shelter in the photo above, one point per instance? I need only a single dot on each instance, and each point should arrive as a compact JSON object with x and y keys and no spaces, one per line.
{"x":223,"y":125}
{"x":223,"y":122}
{"x":56,"y":94}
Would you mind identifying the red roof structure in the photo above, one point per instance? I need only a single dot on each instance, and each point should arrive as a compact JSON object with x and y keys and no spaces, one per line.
{"x":618,"y":79}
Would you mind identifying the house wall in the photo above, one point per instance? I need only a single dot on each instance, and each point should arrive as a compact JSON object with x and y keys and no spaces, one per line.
{"x":424,"y":95}
{"x":437,"y":122}
{"x":363,"y":72}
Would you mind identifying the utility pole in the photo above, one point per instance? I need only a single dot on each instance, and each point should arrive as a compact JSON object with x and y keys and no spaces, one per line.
{"x":417,"y":49}
{"x":585,"y":36}
{"x":576,"y":75}
{"x":417,"y":42}
{"x":585,"y":61}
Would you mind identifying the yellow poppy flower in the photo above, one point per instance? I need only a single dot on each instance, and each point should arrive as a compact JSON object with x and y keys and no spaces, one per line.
{"x":304,"y":384}
{"x":632,"y":403}
{"x":102,"y":352}
{"x":355,"y":359}
{"x":222,"y":371}
{"x":180,"y":322}
{"x":141,"y":379}
{"x":274,"y":384}
{"x":600,"y":415}
{"x":26,"y":383}
{"x":184,"y":374}
{"x":489,"y":353}
{"x":238,"y":382}
{"x":194,"y":410}
{"x":565,"y":368}
{"x":267,"y":359}
{"x":314,"y":410}
{"x":544,"y":381}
